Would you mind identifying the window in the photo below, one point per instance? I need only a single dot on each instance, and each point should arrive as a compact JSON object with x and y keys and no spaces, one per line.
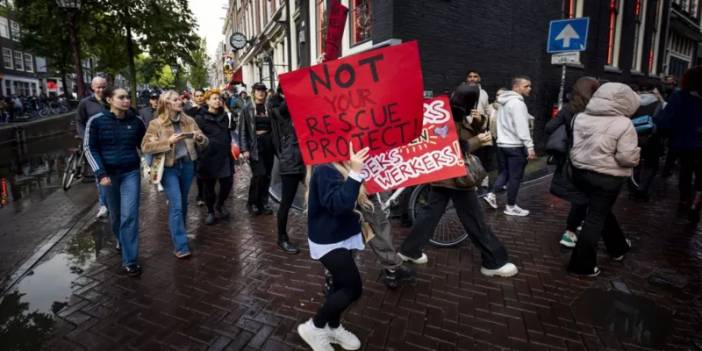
{"x":573,"y":8}
{"x":360,"y":21}
{"x":19,"y":61}
{"x":7,"y":58}
{"x":4,"y":28}
{"x":321,"y":10}
{"x":615,"y":32}
{"x":15,"y":30}
{"x":28,"y":63}
{"x":640,"y":26}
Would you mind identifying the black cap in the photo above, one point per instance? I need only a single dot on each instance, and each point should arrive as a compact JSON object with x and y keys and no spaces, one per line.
{"x":153,"y":95}
{"x":260,"y":86}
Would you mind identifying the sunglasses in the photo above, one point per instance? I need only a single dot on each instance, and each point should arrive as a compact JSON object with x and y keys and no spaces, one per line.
{"x":122,"y":97}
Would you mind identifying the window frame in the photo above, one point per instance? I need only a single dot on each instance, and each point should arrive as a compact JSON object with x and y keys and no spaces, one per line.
{"x":15,"y":30}
{"x":352,"y":22}
{"x":10,"y":62}
{"x":19,"y":63}
{"x":614,"y":33}
{"x":28,"y":68}
{"x":5,"y":24}
{"x":639,"y":34}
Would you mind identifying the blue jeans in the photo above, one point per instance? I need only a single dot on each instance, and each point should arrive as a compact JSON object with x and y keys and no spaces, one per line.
{"x":122,"y":198}
{"x":176,"y":183}
{"x":101,"y":193}
{"x":512,"y":172}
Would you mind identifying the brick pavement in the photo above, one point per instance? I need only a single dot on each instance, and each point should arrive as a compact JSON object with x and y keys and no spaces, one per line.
{"x":239,"y":292}
{"x":26,"y":224}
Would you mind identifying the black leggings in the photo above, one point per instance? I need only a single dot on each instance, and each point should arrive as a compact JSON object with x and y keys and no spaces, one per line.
{"x":225,"y":187}
{"x":289,"y":183}
{"x":261,"y":171}
{"x":347,"y":287}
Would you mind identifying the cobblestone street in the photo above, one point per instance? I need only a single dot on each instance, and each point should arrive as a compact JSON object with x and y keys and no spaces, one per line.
{"x":239,"y":292}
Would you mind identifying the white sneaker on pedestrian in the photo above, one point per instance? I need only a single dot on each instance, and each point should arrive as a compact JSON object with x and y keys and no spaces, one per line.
{"x":516,"y":211}
{"x":621,"y":258}
{"x":102,"y":212}
{"x":569,"y":239}
{"x":506,"y":271}
{"x":491,"y":199}
{"x":319,"y":339}
{"x":344,"y":338}
{"x":421,"y":260}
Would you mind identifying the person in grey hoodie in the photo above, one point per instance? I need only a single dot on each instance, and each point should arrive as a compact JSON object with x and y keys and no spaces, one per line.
{"x":514,"y":144}
{"x":605,"y":150}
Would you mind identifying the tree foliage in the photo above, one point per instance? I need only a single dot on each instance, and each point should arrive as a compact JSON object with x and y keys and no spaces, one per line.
{"x":115,"y":32}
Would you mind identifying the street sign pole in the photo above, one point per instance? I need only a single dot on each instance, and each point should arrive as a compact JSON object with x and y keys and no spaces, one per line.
{"x":561,"y":91}
{"x":566,"y":38}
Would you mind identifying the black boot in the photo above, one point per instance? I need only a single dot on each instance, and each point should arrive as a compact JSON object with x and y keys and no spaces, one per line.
{"x":221,"y":213}
{"x":393,"y":278}
{"x":285,"y":245}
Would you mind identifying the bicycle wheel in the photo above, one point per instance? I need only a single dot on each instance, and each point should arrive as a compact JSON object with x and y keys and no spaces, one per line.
{"x":69,"y":172}
{"x":449,"y":232}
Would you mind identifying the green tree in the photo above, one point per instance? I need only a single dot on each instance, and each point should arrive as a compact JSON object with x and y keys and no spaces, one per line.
{"x":197,"y":70}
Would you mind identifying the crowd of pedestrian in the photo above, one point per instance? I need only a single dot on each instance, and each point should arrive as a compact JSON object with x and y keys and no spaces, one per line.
{"x":606,"y":137}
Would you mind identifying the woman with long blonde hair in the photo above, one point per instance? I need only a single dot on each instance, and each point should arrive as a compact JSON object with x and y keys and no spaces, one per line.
{"x":175,"y":136}
{"x":334,"y":224}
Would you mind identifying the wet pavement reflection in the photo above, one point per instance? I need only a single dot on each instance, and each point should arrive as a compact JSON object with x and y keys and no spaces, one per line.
{"x":28,"y":312}
{"x":629,"y":316}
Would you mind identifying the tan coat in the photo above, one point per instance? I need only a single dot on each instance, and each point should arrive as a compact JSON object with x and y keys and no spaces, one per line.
{"x":157,"y":134}
{"x":604,"y":139}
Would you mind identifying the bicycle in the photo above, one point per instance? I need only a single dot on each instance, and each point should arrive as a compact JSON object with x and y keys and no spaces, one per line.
{"x":75,"y":164}
{"x":448,"y":233}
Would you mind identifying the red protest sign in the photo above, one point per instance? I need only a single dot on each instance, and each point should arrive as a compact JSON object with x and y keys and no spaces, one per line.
{"x":435,"y":155}
{"x":373,"y":99}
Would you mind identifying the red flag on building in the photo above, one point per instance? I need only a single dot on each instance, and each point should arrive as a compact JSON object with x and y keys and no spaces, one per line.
{"x":335,"y":30}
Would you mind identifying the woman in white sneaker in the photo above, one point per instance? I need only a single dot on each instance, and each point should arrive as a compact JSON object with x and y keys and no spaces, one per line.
{"x":334,"y":226}
{"x":463,"y":195}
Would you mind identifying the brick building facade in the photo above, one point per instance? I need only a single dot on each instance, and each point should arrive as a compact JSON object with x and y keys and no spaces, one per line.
{"x":626,"y":42}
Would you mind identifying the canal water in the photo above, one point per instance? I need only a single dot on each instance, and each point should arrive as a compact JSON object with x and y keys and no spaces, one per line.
{"x":33,"y":169}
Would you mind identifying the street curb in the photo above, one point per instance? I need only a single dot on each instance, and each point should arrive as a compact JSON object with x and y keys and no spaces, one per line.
{"x":77,"y":223}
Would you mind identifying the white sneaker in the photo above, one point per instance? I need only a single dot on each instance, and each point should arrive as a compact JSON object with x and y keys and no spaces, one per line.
{"x":491,"y":199}
{"x":569,"y":239}
{"x":621,"y":258}
{"x":102,"y":212}
{"x":506,"y":271}
{"x":421,"y":260}
{"x":516,"y":211}
{"x":344,"y":338}
{"x":319,"y":339}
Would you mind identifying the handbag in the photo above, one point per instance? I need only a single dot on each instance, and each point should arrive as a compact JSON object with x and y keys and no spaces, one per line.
{"x":475,"y":172}
{"x":562,"y":184}
{"x":156,"y":170}
{"x":644,"y":124}
{"x":558,"y":141}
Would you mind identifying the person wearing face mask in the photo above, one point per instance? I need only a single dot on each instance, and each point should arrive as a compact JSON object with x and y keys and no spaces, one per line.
{"x":175,"y":136}
{"x":112,"y":138}
{"x":461,"y":191}
{"x":256,"y":142}
{"x":216,"y":163}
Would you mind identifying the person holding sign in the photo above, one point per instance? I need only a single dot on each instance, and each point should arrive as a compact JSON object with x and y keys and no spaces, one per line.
{"x":256,"y":142}
{"x":336,"y":193}
{"x":462,"y":192}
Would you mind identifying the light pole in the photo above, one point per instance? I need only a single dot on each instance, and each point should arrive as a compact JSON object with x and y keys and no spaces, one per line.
{"x":72,"y":8}
{"x":174,"y":69}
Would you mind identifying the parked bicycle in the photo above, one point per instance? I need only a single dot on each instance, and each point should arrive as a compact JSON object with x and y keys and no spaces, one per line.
{"x":75,"y":165}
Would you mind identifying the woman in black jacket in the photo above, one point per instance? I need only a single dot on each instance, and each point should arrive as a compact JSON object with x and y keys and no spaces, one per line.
{"x":216,"y":162}
{"x":290,"y":165}
{"x":579,"y":97}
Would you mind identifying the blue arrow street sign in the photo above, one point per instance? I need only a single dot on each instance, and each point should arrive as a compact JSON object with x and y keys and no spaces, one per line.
{"x":567,"y":35}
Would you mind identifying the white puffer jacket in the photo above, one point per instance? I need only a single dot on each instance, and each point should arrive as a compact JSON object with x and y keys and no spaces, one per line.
{"x":604,"y":139}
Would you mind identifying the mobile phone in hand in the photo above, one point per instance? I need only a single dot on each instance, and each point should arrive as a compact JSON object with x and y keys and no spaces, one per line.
{"x":187,"y":134}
